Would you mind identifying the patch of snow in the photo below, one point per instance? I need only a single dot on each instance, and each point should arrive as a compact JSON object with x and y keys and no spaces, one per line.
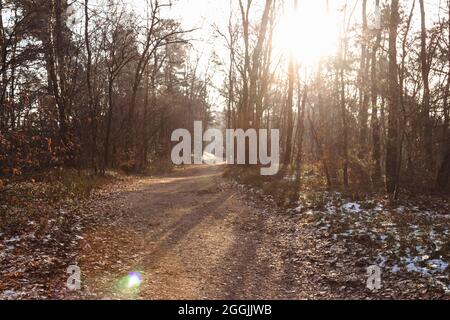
{"x":381,"y":260}
{"x":13,"y":239}
{"x":444,"y":286}
{"x":290,"y":178}
{"x":9,"y":294}
{"x":420,"y":250}
{"x":400,"y":209}
{"x":331,"y":209}
{"x":352,"y":207}
{"x":438,"y":265}
{"x":347,"y":233}
{"x":432,"y":266}
{"x":395,"y":269}
{"x":378,"y":208}
{"x":411,"y":267}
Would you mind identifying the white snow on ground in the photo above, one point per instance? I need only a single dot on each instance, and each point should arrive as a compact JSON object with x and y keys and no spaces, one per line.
{"x":379,"y":207}
{"x":422,"y":241}
{"x":331,"y":209}
{"x":413,"y":264}
{"x":290,"y":178}
{"x":352,"y":207}
{"x":400,"y":209}
{"x":381,"y":260}
{"x":13,"y":239}
{"x":9,"y":295}
{"x":438,"y":265}
{"x":395,"y":269}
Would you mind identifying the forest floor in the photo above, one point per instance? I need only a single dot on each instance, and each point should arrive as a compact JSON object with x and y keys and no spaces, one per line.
{"x":193,"y":234}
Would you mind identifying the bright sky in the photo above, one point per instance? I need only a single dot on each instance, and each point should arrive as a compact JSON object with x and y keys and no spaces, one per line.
{"x":200,"y":15}
{"x":308,"y":34}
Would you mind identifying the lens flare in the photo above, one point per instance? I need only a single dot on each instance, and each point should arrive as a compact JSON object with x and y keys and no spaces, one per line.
{"x":129,"y":286}
{"x":134,"y":280}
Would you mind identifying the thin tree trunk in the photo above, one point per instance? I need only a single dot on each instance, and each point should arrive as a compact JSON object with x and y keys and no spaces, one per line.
{"x":392,"y":151}
{"x":344,"y":126}
{"x":300,"y":138}
{"x":290,"y":117}
{"x":363,"y":94}
{"x":144,"y":143}
{"x":106,"y":162}
{"x":320,"y":152}
{"x":375,"y":121}
{"x":256,"y":63}
{"x":244,"y":107}
{"x":56,"y":65}
{"x":426,"y":116}
{"x":443,"y":178}
{"x":92,"y":113}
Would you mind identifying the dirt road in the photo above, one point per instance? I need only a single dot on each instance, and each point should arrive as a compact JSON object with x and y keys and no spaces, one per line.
{"x":191,"y":236}
{"x":194,"y":235}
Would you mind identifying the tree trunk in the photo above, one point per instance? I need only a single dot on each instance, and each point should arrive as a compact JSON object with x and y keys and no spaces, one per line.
{"x":392,"y":151}
{"x":426,"y":116}
{"x":92,"y":113}
{"x":344,"y":124}
{"x":375,"y":121}
{"x":106,"y":161}
{"x":443,"y":179}
{"x":290,"y":117}
{"x":300,"y":137}
{"x":244,"y":107}
{"x":256,"y":62}
{"x":56,"y":65}
{"x":363,"y":94}
{"x":145,"y":124}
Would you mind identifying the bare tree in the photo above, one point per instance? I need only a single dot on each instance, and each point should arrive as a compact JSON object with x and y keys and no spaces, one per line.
{"x":375,"y":121}
{"x":392,"y":148}
{"x":426,"y":65}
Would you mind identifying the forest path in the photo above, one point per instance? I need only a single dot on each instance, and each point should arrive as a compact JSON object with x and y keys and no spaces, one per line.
{"x":192,"y":236}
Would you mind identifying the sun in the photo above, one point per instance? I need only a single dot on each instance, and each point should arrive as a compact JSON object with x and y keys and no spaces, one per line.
{"x":308,"y":34}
